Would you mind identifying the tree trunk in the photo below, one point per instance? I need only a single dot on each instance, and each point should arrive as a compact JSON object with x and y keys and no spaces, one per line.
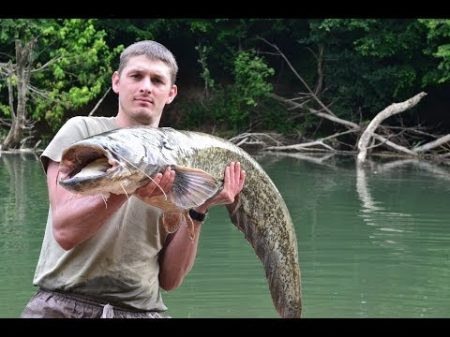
{"x":22,"y":73}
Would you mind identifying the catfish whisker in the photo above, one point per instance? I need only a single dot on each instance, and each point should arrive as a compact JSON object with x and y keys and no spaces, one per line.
{"x":143,"y":172}
{"x":123,"y":188}
{"x":105,"y":199}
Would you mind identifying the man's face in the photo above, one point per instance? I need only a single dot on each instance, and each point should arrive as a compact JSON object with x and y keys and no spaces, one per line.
{"x":144,"y":88}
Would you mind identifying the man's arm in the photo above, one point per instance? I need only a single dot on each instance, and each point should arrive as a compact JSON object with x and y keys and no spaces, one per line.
{"x":178,"y":255}
{"x":76,"y":218}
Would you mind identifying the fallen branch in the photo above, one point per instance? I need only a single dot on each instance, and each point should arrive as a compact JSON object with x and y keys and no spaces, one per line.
{"x":391,"y":110}
{"x":253,"y":135}
{"x":302,"y":146}
{"x":305,"y":146}
{"x":397,"y":147}
{"x":433,"y":144}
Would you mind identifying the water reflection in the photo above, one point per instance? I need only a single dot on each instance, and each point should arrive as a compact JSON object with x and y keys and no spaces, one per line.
{"x":16,"y":178}
{"x":389,"y":226}
{"x":23,"y":208}
{"x":387,"y":231}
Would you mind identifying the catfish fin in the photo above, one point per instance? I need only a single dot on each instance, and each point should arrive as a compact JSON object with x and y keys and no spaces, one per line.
{"x":192,"y":187}
{"x":161,"y":202}
{"x":172,"y":216}
{"x":172,"y":221}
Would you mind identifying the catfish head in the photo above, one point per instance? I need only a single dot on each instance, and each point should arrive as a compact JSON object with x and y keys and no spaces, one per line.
{"x":108,"y":163}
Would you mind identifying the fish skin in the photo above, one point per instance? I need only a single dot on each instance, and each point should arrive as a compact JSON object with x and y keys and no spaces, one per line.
{"x":261,"y":214}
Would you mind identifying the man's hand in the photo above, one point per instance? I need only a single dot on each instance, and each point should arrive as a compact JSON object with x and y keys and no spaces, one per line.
{"x":161,"y":182}
{"x":233,"y":183}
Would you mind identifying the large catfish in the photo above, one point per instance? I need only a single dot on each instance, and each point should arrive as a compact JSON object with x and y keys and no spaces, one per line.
{"x":122,"y":160}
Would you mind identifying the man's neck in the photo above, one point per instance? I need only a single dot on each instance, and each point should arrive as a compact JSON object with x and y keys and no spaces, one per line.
{"x":123,"y":121}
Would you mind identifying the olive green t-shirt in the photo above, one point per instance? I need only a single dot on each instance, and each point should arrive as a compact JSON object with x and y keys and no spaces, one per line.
{"x":119,"y":264}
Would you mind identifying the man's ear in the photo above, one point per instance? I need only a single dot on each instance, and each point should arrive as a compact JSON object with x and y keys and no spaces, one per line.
{"x":173,"y":93}
{"x":115,"y":81}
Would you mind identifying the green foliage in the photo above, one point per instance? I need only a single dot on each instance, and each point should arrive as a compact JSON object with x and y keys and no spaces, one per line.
{"x":71,"y":63}
{"x":5,"y":110}
{"x":370,"y":63}
{"x":438,"y":46}
{"x":232,"y":105}
{"x":251,"y":74}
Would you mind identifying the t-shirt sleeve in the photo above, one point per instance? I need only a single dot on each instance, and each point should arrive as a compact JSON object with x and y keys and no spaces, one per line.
{"x":73,"y":130}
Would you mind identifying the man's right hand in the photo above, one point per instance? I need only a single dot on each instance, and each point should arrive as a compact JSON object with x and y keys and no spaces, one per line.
{"x":161,"y":182}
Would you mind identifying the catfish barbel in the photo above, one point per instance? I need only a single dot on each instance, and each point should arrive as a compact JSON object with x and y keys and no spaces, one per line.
{"x":122,"y":160}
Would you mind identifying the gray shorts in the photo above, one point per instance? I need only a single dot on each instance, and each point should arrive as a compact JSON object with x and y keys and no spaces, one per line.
{"x":51,"y":304}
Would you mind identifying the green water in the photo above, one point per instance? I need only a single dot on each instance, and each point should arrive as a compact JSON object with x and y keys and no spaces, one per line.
{"x":372,"y":242}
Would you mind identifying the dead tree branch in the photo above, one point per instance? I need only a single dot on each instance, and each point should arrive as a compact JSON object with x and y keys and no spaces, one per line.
{"x":433,"y":144}
{"x":391,"y":110}
{"x":99,"y":102}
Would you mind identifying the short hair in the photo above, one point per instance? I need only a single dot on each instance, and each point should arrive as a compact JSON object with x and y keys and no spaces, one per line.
{"x":154,"y":51}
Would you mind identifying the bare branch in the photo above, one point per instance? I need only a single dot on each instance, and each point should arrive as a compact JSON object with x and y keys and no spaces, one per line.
{"x":433,"y":144}
{"x":311,"y":92}
{"x":39,"y":92}
{"x":56,"y":59}
{"x":5,"y":122}
{"x":392,"y":145}
{"x":306,"y":146}
{"x":320,"y":75}
{"x":332,"y":117}
{"x":335,"y":119}
{"x":381,"y":116}
{"x":99,"y":102}
{"x":256,"y":135}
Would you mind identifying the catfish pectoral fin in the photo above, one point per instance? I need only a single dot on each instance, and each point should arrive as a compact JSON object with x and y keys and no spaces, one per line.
{"x":172,"y":221}
{"x":192,"y":187}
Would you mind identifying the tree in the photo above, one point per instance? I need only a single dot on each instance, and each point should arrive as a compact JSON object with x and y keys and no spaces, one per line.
{"x":47,"y":67}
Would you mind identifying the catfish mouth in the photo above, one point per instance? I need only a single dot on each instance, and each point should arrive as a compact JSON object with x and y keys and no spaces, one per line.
{"x":85,"y":163}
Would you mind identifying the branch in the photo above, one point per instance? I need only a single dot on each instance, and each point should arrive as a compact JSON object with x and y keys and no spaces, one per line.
{"x":320,"y":76}
{"x":39,"y":92}
{"x":46,"y":64}
{"x":433,"y":144}
{"x":298,"y":76}
{"x":393,"y":145}
{"x":256,"y":135}
{"x":335,"y":119}
{"x":380,"y":117}
{"x":99,"y":102}
{"x":305,"y":146}
{"x":330,"y":117}
{"x":5,"y":122}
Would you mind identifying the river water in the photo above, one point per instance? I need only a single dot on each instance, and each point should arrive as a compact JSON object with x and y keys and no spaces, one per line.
{"x":373,"y":242}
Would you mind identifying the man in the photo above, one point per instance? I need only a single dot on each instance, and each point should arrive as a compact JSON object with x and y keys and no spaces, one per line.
{"x":111,"y":260}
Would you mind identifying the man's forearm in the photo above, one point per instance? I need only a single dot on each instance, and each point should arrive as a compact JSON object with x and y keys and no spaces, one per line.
{"x":178,"y":256}
{"x":78,"y":219}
